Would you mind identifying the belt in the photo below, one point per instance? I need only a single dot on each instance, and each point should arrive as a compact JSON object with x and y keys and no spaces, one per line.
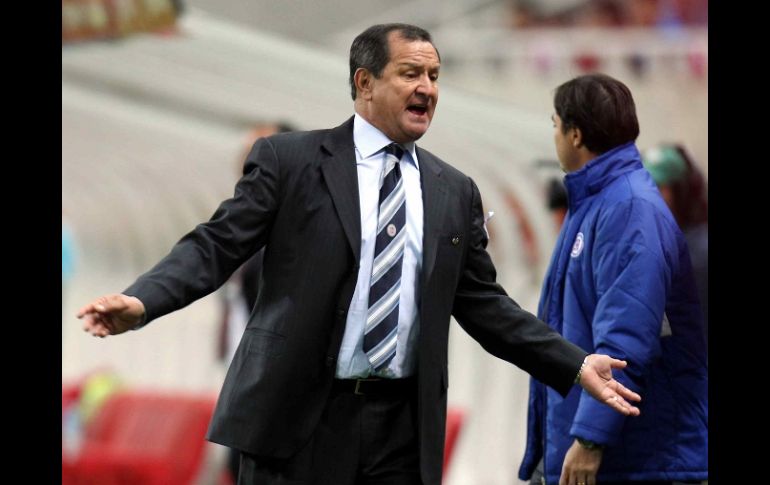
{"x":376,"y":386}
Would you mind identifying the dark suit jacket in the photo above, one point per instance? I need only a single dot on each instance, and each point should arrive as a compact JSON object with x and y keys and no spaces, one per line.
{"x":300,"y":197}
{"x":248,"y":281}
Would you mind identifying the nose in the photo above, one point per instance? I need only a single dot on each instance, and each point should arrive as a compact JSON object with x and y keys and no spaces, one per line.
{"x":427,"y":86}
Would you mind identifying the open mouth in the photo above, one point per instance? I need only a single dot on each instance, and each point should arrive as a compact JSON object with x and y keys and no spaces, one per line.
{"x":417,"y":109}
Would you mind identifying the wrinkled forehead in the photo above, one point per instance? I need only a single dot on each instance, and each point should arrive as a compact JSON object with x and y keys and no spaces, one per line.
{"x":413,"y":53}
{"x":397,"y":42}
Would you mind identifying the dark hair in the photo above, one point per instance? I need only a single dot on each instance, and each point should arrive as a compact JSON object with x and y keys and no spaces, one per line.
{"x":601,"y":107}
{"x":284,"y":127}
{"x":690,"y":195}
{"x":556,"y":194}
{"x":370,"y":49}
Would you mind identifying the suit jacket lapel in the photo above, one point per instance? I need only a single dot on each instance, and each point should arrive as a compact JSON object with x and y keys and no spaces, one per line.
{"x":341,"y":176}
{"x":433,"y":199}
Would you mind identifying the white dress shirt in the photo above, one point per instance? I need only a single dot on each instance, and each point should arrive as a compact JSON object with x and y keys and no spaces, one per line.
{"x":370,"y":162}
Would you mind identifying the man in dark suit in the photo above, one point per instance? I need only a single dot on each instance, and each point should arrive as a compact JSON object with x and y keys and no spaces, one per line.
{"x":371,"y":244}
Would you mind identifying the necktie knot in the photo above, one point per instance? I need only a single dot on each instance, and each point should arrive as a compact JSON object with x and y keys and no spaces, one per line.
{"x":395,"y":149}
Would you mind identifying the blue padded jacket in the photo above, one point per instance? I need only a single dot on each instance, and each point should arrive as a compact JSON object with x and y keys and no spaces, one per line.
{"x":620,"y":283}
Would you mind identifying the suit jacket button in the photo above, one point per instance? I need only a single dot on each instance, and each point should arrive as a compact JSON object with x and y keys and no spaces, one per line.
{"x":456,"y":240}
{"x":330,"y":359}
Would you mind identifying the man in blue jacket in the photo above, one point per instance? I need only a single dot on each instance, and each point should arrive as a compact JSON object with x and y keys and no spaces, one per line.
{"x":620,"y":282}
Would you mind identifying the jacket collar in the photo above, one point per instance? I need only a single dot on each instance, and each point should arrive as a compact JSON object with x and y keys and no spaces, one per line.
{"x":600,"y":172}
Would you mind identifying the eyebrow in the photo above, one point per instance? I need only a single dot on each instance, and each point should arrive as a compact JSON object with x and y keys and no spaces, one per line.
{"x":416,"y":66}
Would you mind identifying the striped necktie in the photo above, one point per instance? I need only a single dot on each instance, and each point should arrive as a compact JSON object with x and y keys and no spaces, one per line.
{"x":384,"y":291}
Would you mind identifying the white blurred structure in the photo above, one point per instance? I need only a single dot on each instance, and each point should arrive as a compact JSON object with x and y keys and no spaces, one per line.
{"x":151,"y":128}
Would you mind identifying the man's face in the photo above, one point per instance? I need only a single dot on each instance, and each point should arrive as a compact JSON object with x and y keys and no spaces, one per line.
{"x":404,"y":97}
{"x":565,"y":149}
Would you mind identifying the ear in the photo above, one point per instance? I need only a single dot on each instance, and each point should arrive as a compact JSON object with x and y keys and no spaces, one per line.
{"x":363,"y":80}
{"x":577,"y":137}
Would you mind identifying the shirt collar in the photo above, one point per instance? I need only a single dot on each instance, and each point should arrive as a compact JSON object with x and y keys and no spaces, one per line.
{"x":369,"y":140}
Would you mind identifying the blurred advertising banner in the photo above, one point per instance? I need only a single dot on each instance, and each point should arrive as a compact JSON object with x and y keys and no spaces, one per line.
{"x":105,"y":19}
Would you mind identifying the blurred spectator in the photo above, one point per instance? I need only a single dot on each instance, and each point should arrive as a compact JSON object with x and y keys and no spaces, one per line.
{"x":68,"y":257}
{"x":643,"y":13}
{"x":557,"y":201}
{"x":600,"y":13}
{"x":241,"y":290}
{"x":608,"y":13}
{"x":685,"y":191}
{"x":94,"y":390}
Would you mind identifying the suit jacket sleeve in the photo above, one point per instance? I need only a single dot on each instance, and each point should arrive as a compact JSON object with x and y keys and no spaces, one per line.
{"x":499,"y":324}
{"x":250,"y":279}
{"x":204,"y":258}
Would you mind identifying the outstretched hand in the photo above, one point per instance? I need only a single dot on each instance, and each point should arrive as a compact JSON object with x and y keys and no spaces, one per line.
{"x":596,"y":379}
{"x":111,"y":315}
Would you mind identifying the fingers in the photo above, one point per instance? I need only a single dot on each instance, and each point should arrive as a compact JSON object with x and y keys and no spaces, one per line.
{"x":621,"y":405}
{"x":111,"y":314}
{"x":96,"y":315}
{"x":99,"y":330}
{"x":567,"y":473}
{"x":626,"y":392}
{"x":111,"y":303}
{"x":617,"y":363}
{"x":85,"y":310}
{"x":96,"y":325}
{"x":104,"y":304}
{"x":574,"y":478}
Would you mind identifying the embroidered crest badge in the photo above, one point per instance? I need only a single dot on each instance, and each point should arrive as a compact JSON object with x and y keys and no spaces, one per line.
{"x":577,"y":248}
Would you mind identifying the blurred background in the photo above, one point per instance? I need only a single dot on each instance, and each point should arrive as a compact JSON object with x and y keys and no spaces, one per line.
{"x":161,"y":98}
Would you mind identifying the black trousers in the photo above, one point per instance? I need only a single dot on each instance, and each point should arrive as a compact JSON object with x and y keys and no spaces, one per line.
{"x":368,"y":439}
